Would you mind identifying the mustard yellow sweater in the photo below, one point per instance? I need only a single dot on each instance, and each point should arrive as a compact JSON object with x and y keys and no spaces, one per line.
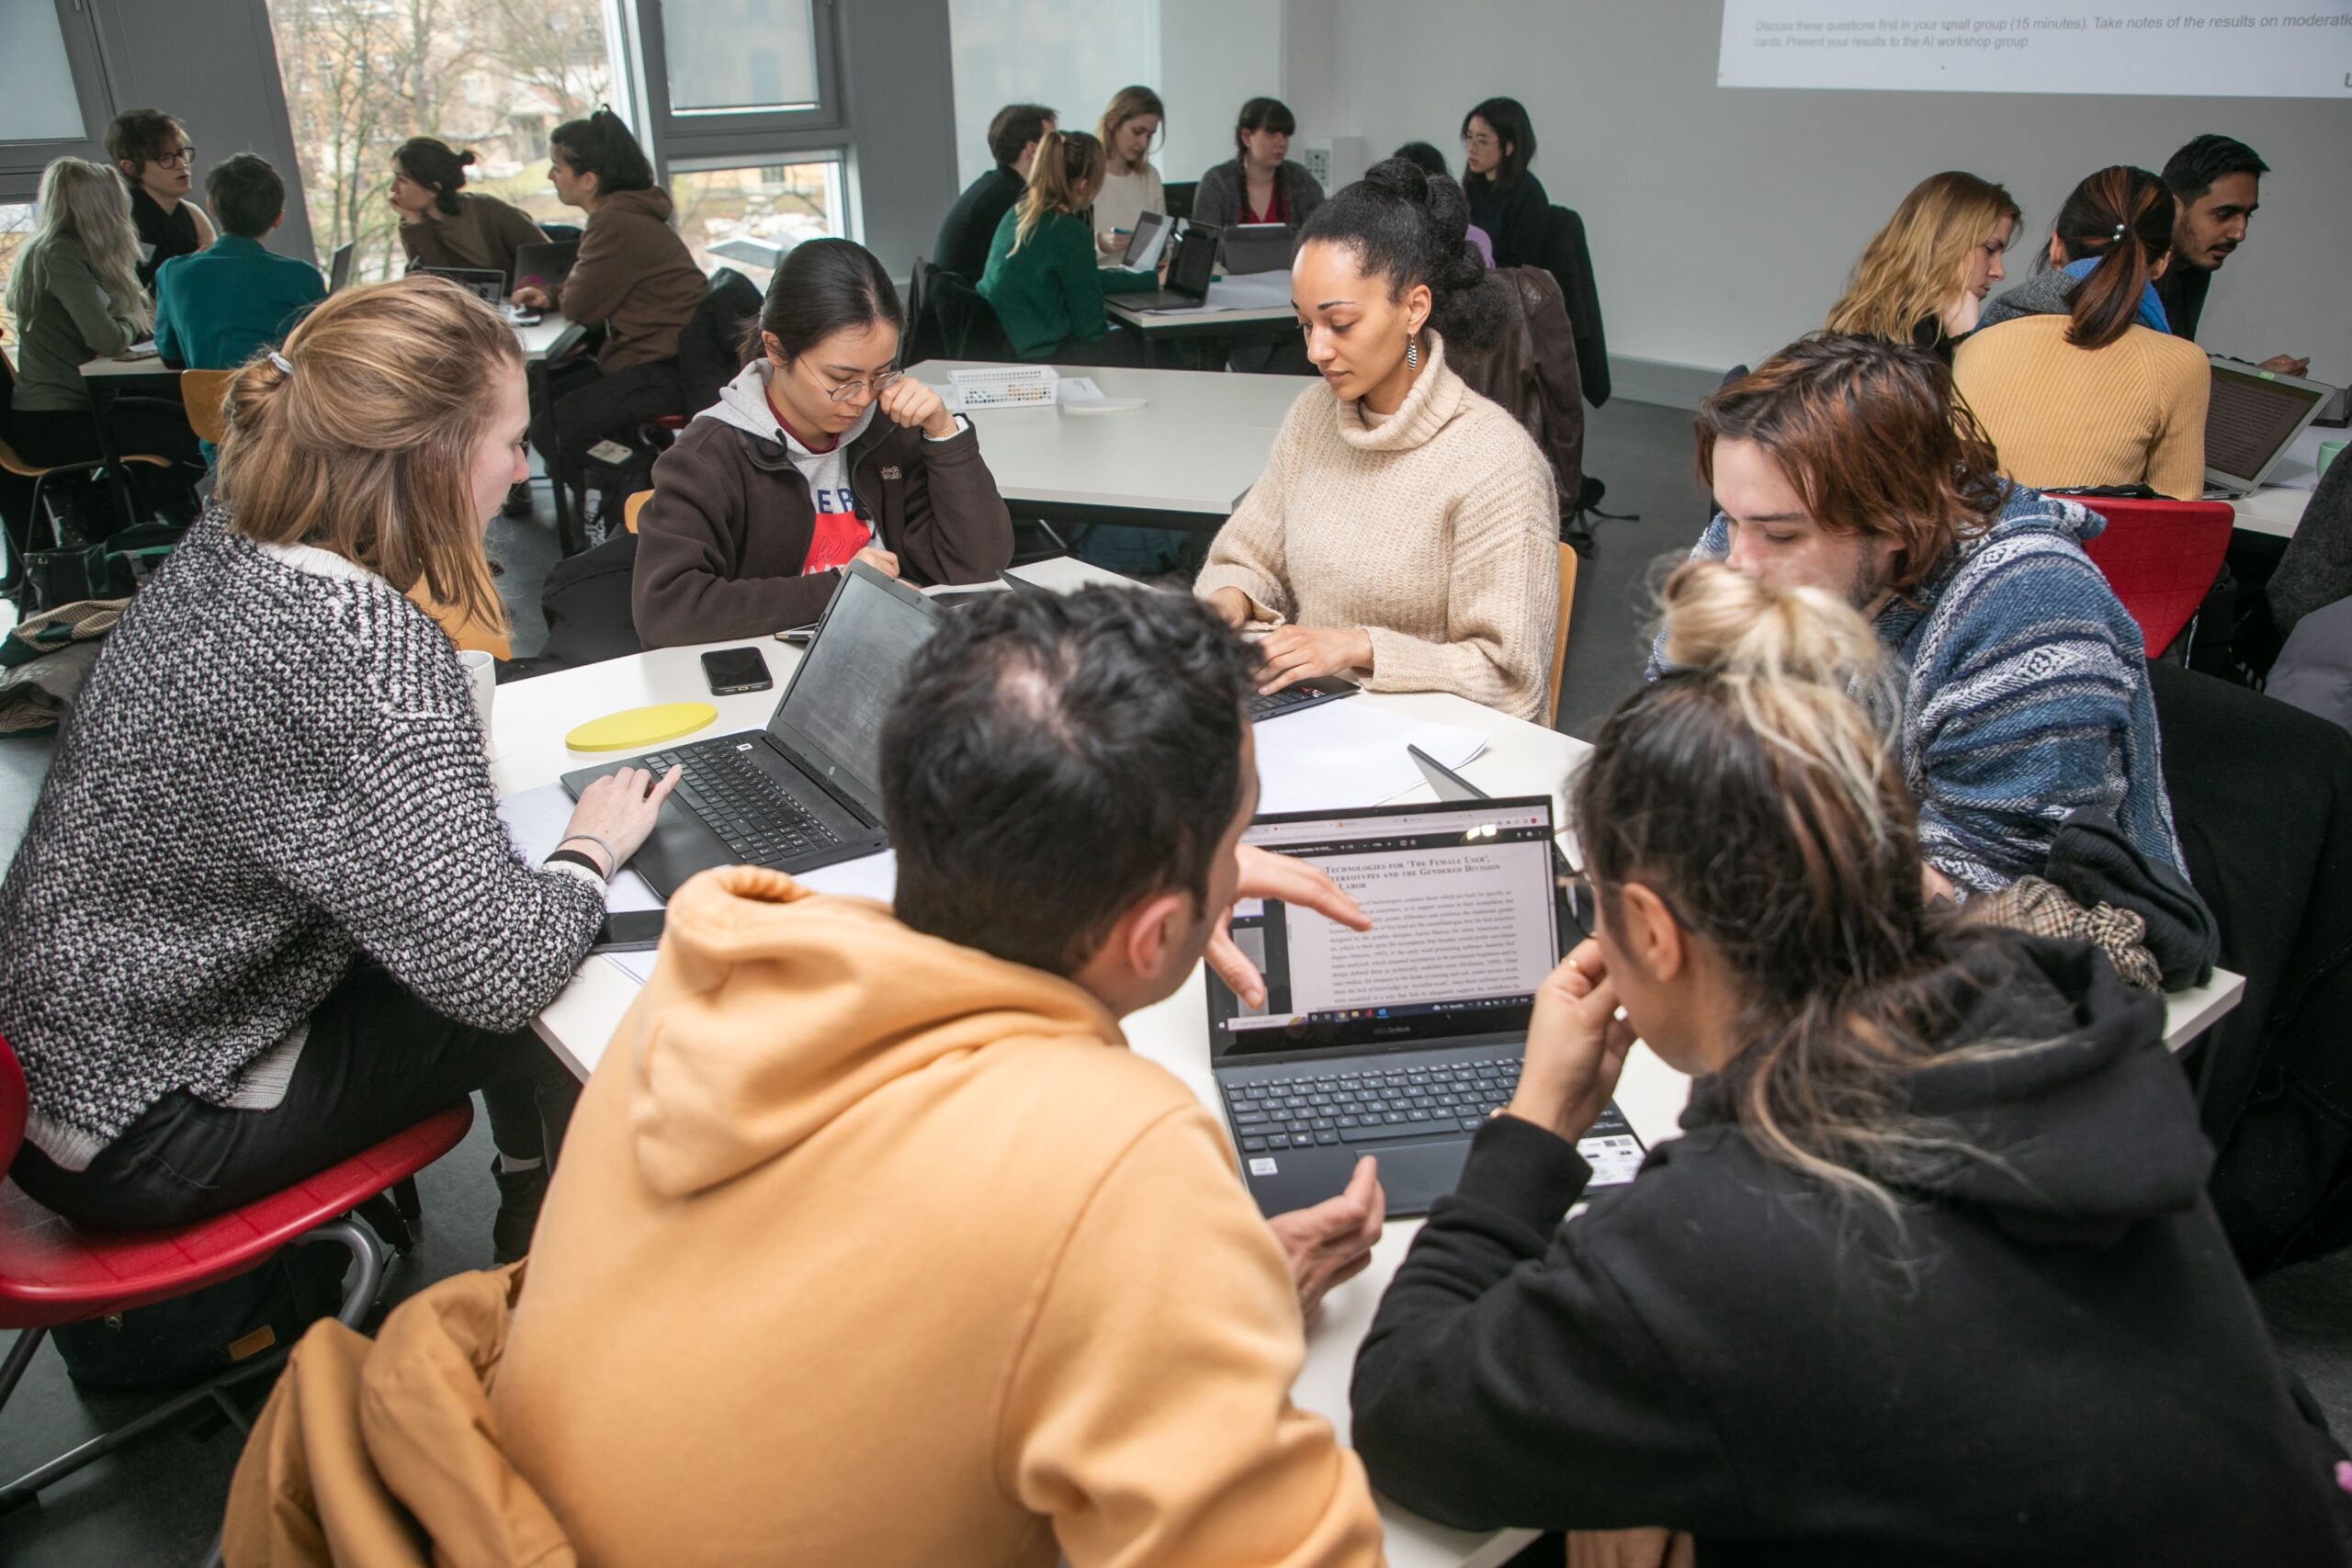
{"x":2133,"y":412}
{"x":1435,"y":529}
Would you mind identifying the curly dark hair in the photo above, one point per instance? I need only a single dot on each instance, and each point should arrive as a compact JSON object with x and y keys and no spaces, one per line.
{"x":1409,"y":226}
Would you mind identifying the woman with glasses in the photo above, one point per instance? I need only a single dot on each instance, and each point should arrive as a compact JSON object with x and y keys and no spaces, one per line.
{"x":1930,"y":1276}
{"x":1508,"y":202}
{"x":158,"y":166}
{"x":820,"y":454}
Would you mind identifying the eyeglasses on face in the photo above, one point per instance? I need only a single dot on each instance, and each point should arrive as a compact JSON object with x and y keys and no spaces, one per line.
{"x":1478,"y":140}
{"x":876,"y":385}
{"x":182,"y":158}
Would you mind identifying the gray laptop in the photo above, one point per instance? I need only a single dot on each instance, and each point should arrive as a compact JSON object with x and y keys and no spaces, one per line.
{"x":1399,"y":1042}
{"x":1144,"y":242}
{"x":484,"y":283}
{"x":806,"y":791}
{"x":1189,"y":271}
{"x":2252,"y":417}
{"x":339,"y":269}
{"x":1260,"y":247}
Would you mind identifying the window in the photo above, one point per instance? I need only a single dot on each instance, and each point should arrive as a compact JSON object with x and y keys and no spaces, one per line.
{"x":16,"y":228}
{"x":1004,"y":53}
{"x":492,"y":77}
{"x":53,"y":91}
{"x":747,"y":218}
{"x":736,"y":78}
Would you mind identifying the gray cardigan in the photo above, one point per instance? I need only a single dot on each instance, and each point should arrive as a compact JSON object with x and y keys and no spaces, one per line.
{"x":1217,"y":198}
{"x":71,"y":322}
{"x":274,"y":768}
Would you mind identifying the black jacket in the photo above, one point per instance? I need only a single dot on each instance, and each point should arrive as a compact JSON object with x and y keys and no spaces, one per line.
{"x":2060,"y":1364}
{"x":2182,"y":291}
{"x":1514,"y":218}
{"x":970,"y":225}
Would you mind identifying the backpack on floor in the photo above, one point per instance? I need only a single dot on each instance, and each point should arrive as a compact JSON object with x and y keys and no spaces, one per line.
{"x":178,"y":1342}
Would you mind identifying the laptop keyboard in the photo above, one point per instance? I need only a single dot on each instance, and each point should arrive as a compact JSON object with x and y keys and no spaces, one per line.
{"x":1368,"y":1107}
{"x":760,"y":823}
{"x":1271,"y":703}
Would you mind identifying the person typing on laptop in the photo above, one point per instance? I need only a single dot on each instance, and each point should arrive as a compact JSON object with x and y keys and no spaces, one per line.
{"x":878,"y":1195}
{"x":1929,"y":1278}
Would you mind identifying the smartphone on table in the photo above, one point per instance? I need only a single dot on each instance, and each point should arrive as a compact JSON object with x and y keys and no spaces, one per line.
{"x":634,"y":931}
{"x":733,"y":670}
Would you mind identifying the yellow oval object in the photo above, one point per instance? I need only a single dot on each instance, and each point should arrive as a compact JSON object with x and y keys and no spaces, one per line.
{"x":633,"y":729}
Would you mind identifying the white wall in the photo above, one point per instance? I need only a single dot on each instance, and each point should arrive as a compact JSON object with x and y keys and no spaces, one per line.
{"x":1723,"y":221}
{"x":1215,"y":56}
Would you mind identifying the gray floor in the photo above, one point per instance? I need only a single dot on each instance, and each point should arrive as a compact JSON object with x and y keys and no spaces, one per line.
{"x":159,"y":1503}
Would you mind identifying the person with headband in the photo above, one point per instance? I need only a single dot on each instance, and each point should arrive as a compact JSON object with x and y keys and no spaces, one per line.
{"x":444,"y":224}
{"x":1041,"y":274}
{"x":266,"y":915}
{"x":2075,"y":376}
{"x":1406,"y":532}
{"x":1843,"y":463}
{"x":1923,"y":278}
{"x":1930,"y":1276}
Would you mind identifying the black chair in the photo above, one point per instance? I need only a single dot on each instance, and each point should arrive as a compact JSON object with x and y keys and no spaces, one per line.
{"x":1178,"y":197}
{"x":1567,"y":258}
{"x":560,"y":231}
{"x":949,"y":319}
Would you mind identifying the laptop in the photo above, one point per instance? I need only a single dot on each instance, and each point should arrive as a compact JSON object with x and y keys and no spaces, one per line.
{"x":1143,"y":245}
{"x":2252,"y":417}
{"x":1401,"y":1040}
{"x":1260,"y":247}
{"x":339,"y":269}
{"x":1313,"y":691}
{"x":487,"y":283}
{"x":1189,"y":271}
{"x":806,"y":791}
{"x":544,"y":261}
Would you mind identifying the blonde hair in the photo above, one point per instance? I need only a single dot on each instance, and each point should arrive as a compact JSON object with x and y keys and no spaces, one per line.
{"x":1914,"y":265}
{"x":1068,"y":162}
{"x":1754,"y":790}
{"x":366,"y":446}
{"x":88,"y":204}
{"x":1129,"y":103}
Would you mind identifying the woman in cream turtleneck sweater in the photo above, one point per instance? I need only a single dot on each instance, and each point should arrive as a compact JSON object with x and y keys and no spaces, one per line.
{"x":1405,"y":531}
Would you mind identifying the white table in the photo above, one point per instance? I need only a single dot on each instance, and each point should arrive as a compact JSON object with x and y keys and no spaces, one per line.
{"x":1182,"y":460}
{"x":2277,"y":508}
{"x":531,"y":717}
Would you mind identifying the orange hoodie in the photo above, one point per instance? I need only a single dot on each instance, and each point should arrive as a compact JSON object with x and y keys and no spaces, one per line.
{"x":870,"y":1248}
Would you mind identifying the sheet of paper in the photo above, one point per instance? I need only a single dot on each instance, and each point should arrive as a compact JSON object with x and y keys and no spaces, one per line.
{"x":535,"y":821}
{"x":1077,"y":390}
{"x":1350,"y":754}
{"x":870,"y":876}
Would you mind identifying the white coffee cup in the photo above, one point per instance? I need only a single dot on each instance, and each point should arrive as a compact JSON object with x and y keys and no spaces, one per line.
{"x":481,"y":672}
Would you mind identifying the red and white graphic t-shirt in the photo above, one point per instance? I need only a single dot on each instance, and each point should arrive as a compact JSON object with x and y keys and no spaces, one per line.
{"x":843,"y":527}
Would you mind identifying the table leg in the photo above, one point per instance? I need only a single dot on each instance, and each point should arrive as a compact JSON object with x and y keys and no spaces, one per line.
{"x":118,"y":481}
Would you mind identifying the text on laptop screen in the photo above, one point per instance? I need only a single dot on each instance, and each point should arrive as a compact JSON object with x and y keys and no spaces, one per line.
{"x":844,"y":686}
{"x":2249,"y":418}
{"x":1464,"y":928}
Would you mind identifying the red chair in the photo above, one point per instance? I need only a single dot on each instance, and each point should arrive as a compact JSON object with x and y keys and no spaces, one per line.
{"x":2161,"y":558}
{"x":51,"y":1273}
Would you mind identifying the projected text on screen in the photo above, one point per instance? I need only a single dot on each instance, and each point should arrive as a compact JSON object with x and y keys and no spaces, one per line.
{"x":2266,"y":49}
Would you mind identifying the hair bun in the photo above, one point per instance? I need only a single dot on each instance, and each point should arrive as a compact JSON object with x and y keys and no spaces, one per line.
{"x":1722,"y":623}
{"x":1400,"y":177}
{"x":466,"y":159}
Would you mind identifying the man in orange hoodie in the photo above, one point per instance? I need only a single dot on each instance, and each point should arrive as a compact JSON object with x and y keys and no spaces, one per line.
{"x":873,"y":1244}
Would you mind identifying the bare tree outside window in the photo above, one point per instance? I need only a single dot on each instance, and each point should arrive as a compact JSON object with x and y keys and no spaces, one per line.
{"x":489,"y":76}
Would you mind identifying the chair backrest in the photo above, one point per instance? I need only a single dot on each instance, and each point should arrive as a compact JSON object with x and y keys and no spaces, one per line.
{"x":1567,"y":258}
{"x":204,"y":394}
{"x":464,"y":630}
{"x":1178,"y":195}
{"x":632,"y":506}
{"x":2161,"y":558}
{"x":13,"y":1098}
{"x":957,"y":323}
{"x":711,"y":351}
{"x":1560,"y":632}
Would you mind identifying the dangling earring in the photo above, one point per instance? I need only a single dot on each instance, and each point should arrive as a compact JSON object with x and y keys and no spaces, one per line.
{"x":1413,"y":354}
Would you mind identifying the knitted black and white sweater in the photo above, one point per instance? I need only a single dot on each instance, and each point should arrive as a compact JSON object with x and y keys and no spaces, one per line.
{"x":274,"y":767}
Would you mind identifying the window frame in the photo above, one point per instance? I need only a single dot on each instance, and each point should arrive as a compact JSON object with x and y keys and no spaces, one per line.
{"x":21,"y":162}
{"x":838,"y":189}
{"x":740,"y":139}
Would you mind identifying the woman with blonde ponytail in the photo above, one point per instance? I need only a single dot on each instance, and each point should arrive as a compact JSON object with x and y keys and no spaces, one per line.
{"x":1041,"y":274}
{"x":76,"y":296}
{"x":266,"y":915}
{"x":1928,"y":1278}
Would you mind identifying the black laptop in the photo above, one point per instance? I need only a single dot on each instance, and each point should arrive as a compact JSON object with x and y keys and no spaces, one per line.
{"x":544,"y":261}
{"x":805,"y":792}
{"x":1189,"y":271}
{"x":1401,"y":1040}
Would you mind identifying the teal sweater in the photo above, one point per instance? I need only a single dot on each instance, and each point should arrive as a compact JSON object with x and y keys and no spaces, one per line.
{"x":1050,"y":289}
{"x":215,"y":308}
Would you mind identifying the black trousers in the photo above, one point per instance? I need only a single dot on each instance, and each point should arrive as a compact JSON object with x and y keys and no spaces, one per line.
{"x":377,"y":1061}
{"x":1117,"y":347}
{"x":151,"y":426}
{"x":585,"y":404}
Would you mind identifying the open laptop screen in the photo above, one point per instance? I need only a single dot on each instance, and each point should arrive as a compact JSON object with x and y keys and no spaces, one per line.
{"x":1465,"y":927}
{"x":2250,"y":420}
{"x":829,"y":720}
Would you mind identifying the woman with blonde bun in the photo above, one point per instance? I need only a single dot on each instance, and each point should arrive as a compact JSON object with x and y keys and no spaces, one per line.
{"x":266,"y":915}
{"x":1929,"y":1278}
{"x":1923,"y":278}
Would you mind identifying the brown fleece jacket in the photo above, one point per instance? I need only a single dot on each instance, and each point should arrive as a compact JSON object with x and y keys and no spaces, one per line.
{"x":634,"y":277}
{"x":720,"y":546}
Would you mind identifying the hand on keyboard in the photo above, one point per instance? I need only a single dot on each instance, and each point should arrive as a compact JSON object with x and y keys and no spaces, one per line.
{"x":1290,"y":654}
{"x":619,"y":809}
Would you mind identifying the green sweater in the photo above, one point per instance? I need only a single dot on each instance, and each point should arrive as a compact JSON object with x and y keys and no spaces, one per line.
{"x":71,"y":322}
{"x":1050,"y":289}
